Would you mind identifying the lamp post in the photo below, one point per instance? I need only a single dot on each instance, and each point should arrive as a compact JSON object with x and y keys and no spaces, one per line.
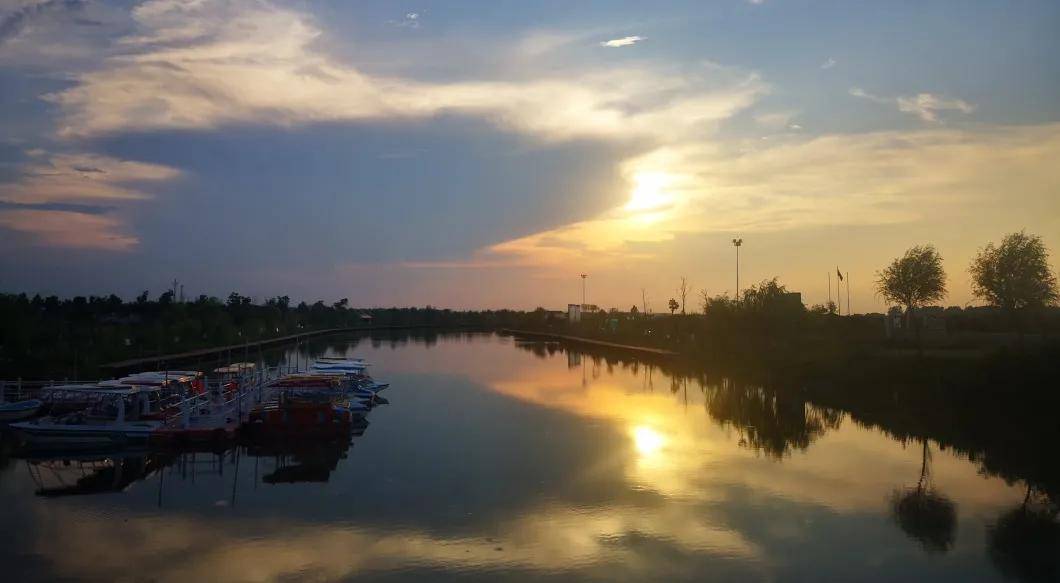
{"x":736,"y":243}
{"x":584,"y":275}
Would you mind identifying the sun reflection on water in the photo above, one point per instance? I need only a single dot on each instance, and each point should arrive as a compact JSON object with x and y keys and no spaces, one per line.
{"x":648,"y":441}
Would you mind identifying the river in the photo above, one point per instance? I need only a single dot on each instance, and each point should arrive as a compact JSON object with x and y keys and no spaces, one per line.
{"x":499,"y":459}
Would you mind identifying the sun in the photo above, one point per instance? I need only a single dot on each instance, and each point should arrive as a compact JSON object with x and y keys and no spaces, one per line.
{"x":649,"y":193}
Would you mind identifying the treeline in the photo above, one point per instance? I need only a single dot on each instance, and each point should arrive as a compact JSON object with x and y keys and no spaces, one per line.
{"x":49,"y":337}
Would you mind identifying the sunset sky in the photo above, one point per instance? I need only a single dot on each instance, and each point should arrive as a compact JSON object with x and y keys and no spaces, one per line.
{"x":483,"y":154}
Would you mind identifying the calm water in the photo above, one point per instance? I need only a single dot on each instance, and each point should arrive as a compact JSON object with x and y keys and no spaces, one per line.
{"x":498,"y":460}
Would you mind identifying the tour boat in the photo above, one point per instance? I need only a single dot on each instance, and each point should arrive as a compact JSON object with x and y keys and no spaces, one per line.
{"x":299,"y":416}
{"x":61,"y":399}
{"x":116,"y":419}
{"x":19,"y":410}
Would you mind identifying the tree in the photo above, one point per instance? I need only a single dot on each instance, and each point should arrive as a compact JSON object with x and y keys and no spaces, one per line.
{"x":913,"y":280}
{"x":673,"y":306}
{"x":633,"y":310}
{"x":1014,"y":275}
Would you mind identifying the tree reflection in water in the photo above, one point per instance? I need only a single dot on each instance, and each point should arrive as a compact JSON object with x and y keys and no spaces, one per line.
{"x":923,"y":513}
{"x":1024,"y":543}
{"x":769,"y":421}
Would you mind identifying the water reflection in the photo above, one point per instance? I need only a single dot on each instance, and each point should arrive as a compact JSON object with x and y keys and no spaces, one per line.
{"x":924,"y":513}
{"x":767,"y":421}
{"x":1024,"y":542}
{"x":92,"y":474}
{"x":506,"y":460}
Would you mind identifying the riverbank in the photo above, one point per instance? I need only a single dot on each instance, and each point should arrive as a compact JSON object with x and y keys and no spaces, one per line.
{"x":589,"y":341}
{"x":235,"y":349}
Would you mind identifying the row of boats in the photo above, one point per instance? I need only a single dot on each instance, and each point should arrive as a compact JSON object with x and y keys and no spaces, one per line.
{"x":152,"y":408}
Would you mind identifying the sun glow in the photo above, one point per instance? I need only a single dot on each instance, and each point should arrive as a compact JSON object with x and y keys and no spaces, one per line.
{"x":649,"y":192}
{"x":647,"y":440}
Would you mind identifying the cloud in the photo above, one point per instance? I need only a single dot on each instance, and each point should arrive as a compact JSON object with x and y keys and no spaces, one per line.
{"x":207,"y":64}
{"x":55,"y":200}
{"x":775,"y":120}
{"x":409,"y":20}
{"x":883,"y":178}
{"x":83,"y":177}
{"x":12,"y":23}
{"x":829,"y":63}
{"x":60,"y":228}
{"x":622,"y":42}
{"x":926,"y":106}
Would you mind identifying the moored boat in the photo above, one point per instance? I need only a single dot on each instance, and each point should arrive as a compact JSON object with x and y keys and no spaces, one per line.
{"x":299,"y":415}
{"x":115,"y":420}
{"x":19,"y":410}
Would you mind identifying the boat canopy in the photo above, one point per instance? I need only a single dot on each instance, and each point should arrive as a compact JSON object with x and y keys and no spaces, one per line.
{"x":235,"y":368}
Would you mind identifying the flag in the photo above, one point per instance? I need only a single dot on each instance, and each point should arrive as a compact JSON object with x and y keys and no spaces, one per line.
{"x":839,"y":273}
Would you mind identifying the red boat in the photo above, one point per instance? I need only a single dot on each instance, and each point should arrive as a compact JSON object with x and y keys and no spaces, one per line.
{"x":299,"y":417}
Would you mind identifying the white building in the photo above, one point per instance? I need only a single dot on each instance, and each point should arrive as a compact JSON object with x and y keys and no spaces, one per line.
{"x":574,"y":313}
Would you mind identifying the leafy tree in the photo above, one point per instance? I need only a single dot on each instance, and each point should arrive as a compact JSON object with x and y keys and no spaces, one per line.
{"x":913,"y":280}
{"x":673,"y":306}
{"x":1014,"y":275}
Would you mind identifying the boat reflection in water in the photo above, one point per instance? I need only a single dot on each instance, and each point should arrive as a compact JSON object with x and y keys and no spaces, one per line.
{"x":526,"y":461}
{"x":92,"y":474}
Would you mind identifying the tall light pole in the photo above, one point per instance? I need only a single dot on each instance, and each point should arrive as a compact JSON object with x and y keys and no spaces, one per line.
{"x":584,"y":275}
{"x":736,"y":243}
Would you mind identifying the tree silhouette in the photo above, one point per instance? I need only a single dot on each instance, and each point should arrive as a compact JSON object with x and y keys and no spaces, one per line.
{"x":1014,"y":275}
{"x":923,"y":513}
{"x":673,"y":306}
{"x":913,"y":280}
{"x":1024,"y":543}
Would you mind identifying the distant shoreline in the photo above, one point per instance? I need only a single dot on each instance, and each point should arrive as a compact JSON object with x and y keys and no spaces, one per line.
{"x":582,"y":340}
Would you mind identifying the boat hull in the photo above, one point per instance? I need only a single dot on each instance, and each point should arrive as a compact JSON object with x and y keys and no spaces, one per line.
{"x":13,"y":412}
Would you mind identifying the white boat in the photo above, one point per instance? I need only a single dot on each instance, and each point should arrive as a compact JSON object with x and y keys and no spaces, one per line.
{"x":19,"y":410}
{"x":116,"y":420}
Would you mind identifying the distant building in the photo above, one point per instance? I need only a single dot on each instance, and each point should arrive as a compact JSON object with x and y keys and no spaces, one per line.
{"x":574,"y":313}
{"x":793,"y":300}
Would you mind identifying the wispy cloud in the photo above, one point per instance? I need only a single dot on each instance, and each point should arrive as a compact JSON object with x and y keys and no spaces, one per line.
{"x":69,"y":229}
{"x":926,"y":106}
{"x":829,"y":63}
{"x":208,"y":64}
{"x":622,"y":42}
{"x":56,"y":201}
{"x":409,"y":20}
{"x":883,"y":178}
{"x":13,"y":22}
{"x":83,"y":177}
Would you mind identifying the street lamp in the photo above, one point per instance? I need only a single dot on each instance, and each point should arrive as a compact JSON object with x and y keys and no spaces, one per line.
{"x":736,"y":243}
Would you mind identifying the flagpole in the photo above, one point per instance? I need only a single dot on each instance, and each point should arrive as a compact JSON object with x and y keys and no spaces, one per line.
{"x":849,"y":311}
{"x":839,"y":291}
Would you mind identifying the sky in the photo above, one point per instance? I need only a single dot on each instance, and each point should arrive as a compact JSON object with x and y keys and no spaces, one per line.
{"x":485,"y":154}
